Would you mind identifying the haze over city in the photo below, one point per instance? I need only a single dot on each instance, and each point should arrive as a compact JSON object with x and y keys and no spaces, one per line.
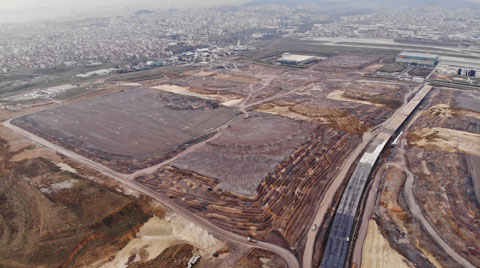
{"x":25,"y":4}
{"x":240,"y":134}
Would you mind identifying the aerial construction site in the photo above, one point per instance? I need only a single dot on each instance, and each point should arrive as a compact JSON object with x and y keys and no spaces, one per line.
{"x":246,"y":164}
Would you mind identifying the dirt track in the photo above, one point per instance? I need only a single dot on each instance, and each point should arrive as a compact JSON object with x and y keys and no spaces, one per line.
{"x":417,"y":212}
{"x":283,"y":86}
{"x":125,"y":179}
{"x":415,"y":209}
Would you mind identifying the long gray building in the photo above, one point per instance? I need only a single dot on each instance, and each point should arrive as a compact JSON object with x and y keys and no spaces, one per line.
{"x":459,"y":66}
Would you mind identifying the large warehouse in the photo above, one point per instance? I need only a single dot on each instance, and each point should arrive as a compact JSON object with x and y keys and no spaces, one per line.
{"x":293,"y":59}
{"x":459,"y":66}
{"x":423,"y":60}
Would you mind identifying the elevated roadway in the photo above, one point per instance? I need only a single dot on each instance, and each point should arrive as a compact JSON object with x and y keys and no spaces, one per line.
{"x":339,"y":239}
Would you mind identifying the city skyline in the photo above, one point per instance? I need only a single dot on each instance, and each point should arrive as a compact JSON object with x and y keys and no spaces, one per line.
{"x":28,"y":4}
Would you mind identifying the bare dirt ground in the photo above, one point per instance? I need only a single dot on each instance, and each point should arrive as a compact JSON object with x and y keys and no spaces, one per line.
{"x":392,"y":68}
{"x":377,"y":252}
{"x":242,"y":156}
{"x":225,"y":99}
{"x":447,"y":140}
{"x":302,"y":177}
{"x":54,"y":218}
{"x":85,"y":224}
{"x":157,"y":235}
{"x":348,"y":61}
{"x":263,"y":175}
{"x":260,"y":259}
{"x":131,"y":129}
{"x":441,"y":141}
{"x":339,"y":95}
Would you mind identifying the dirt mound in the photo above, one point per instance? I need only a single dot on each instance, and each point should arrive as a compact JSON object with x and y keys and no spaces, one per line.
{"x":445,"y":110}
{"x":378,"y":253}
{"x":392,"y":68}
{"x":388,"y":102}
{"x":245,"y":152}
{"x":129,"y":130}
{"x":337,"y":118}
{"x":174,"y":102}
{"x":34,"y":167}
{"x":153,"y":240}
{"x":445,"y":139}
{"x":367,"y":98}
{"x":53,"y":218}
{"x":172,"y":257}
{"x":258,"y":258}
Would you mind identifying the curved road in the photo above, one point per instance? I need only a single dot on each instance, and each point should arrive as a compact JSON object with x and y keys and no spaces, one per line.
{"x":417,"y":212}
{"x":126,"y":179}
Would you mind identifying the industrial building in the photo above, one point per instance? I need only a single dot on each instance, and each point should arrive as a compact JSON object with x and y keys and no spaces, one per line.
{"x":293,"y":59}
{"x":459,"y":66}
{"x":423,"y":60}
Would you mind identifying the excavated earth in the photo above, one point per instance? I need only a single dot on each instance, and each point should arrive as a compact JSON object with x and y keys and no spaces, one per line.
{"x":442,"y":153}
{"x":248,"y":149}
{"x":280,"y":145}
{"x":55,"y":218}
{"x":129,"y":130}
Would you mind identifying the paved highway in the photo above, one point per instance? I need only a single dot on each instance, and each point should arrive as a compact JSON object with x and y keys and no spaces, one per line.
{"x":326,"y":201}
{"x":340,"y":236}
{"x":416,"y":210}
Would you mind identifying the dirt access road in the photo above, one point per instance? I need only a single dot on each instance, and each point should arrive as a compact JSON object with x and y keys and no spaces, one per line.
{"x":399,"y":162}
{"x":127,"y":179}
{"x":417,"y":212}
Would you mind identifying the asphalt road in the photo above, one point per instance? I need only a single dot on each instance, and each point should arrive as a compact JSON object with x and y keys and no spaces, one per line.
{"x":399,"y":162}
{"x":327,"y":198}
{"x":338,"y":243}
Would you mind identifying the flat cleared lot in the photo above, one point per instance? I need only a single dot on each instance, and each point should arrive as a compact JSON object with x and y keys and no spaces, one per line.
{"x":131,"y":129}
{"x":242,"y":156}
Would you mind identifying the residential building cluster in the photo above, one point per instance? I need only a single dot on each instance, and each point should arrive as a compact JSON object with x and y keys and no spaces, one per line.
{"x":175,"y":34}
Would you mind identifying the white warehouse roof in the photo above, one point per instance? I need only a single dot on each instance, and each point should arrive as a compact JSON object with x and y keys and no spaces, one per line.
{"x":460,"y":62}
{"x":296,"y":58}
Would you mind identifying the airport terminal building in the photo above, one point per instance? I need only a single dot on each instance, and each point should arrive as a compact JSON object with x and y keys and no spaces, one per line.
{"x":423,"y":60}
{"x":459,"y":66}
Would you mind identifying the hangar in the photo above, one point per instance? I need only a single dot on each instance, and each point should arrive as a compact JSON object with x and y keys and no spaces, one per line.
{"x":423,"y":60}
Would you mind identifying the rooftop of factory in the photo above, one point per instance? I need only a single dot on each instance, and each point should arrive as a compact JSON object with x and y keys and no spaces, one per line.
{"x":296,"y":58}
{"x":418,"y":55}
{"x":462,"y":62}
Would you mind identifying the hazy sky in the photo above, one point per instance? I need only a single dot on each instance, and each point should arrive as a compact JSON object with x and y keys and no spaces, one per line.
{"x":22,"y":4}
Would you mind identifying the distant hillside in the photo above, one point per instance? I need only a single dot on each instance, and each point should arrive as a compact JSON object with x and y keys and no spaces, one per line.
{"x":143,"y":11}
{"x":370,"y":3}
